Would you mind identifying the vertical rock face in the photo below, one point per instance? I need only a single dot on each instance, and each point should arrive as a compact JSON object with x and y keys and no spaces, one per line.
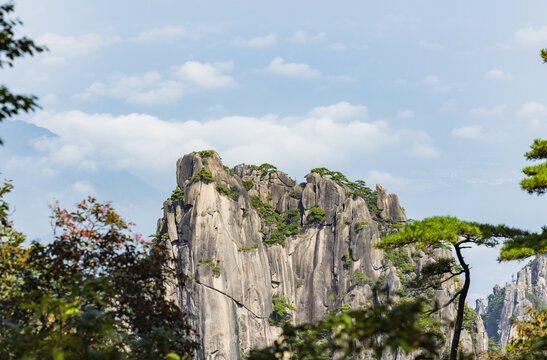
{"x":529,"y":289}
{"x":250,"y":236}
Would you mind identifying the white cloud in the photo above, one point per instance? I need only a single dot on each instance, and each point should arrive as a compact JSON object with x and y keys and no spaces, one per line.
{"x":341,"y":111}
{"x":468,"y":132}
{"x":302,"y":37}
{"x":534,"y":112}
{"x":341,"y":78}
{"x":404,"y":114}
{"x":291,"y":70}
{"x":450,"y":105}
{"x":147,"y":89}
{"x":531,"y":36}
{"x":422,"y":150}
{"x":434,"y":83}
{"x":532,"y":109}
{"x":257,"y":42}
{"x":83,"y":187}
{"x":337,"y":46}
{"x":498,"y":74}
{"x":152,"y":88}
{"x":206,"y":75}
{"x":384,"y":178}
{"x":144,"y":144}
{"x":494,"y":111}
{"x":431,"y":80}
{"x":218,"y":108}
{"x":429,"y":45}
{"x":166,"y":33}
{"x":62,"y":47}
{"x":170,"y":33}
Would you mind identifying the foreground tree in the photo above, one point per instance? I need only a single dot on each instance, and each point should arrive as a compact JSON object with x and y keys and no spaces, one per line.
{"x":530,"y":244}
{"x":97,"y":291}
{"x":448,"y":232}
{"x":11,"y":48}
{"x":372,"y":331}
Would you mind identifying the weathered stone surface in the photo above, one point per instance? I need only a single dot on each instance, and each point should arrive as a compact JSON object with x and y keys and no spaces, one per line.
{"x":233,"y":276}
{"x":389,"y":205}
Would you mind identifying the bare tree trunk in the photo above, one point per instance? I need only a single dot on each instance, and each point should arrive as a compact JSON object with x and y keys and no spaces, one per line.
{"x":461,"y":306}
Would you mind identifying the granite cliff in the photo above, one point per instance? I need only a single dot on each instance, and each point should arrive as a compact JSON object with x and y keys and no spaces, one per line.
{"x":512,"y":300}
{"x":259,"y":249}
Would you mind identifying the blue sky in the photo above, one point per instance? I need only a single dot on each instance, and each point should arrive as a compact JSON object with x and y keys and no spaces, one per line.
{"x":435,"y":101}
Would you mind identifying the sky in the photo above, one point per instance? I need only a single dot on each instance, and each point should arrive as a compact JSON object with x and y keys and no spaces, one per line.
{"x":436,"y":101}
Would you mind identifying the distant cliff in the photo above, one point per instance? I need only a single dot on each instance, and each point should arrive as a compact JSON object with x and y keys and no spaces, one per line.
{"x":260,"y":249}
{"x":529,"y":289}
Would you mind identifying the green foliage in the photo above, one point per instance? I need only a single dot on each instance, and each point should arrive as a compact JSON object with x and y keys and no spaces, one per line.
{"x":531,"y":341}
{"x":267,"y":168}
{"x":492,"y":314}
{"x":359,"y":226}
{"x":213,"y":264}
{"x":203,"y":175}
{"x":347,"y":221}
{"x":347,"y":260}
{"x":204,"y":154}
{"x":295,"y":194}
{"x":359,"y":187}
{"x":494,"y":348}
{"x":281,"y":311}
{"x":537,"y":303}
{"x":232,"y":192}
{"x":359,"y":276}
{"x":433,"y":275}
{"x":438,"y":231}
{"x":276,"y":226}
{"x":317,"y":215}
{"x":177,"y":195}
{"x":248,"y":184}
{"x":95,"y":292}
{"x":12,"y":48}
{"x":543,"y":55}
{"x":469,"y":321}
{"x":526,"y":244}
{"x":401,"y":261}
{"x":375,"y":330}
{"x":13,"y":258}
{"x":448,"y":232}
{"x":248,"y":248}
{"x":264,"y":168}
{"x":536,"y":181}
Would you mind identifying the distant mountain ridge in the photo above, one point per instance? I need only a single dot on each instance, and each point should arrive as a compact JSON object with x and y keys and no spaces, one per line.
{"x":512,"y":300}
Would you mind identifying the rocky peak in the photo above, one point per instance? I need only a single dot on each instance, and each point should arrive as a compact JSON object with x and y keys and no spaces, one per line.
{"x":252,"y":242}
{"x":389,"y":205}
{"x":530,"y":289}
{"x":479,"y":307}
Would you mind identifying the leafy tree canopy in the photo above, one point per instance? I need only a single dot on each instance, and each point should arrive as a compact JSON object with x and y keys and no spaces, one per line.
{"x":97,"y":291}
{"x":373,"y":330}
{"x":526,"y":244}
{"x":536,"y":181}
